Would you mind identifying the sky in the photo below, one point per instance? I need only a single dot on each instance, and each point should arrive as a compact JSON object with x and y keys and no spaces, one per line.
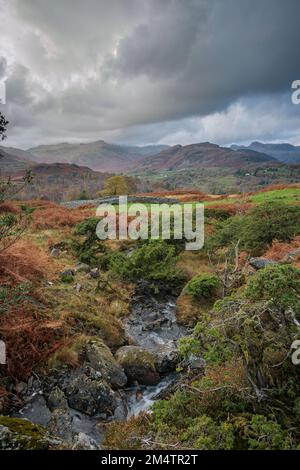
{"x":150,"y":71}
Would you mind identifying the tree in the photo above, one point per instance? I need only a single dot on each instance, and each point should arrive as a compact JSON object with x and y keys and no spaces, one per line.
{"x":119,"y":185}
{"x":3,"y":125}
{"x":11,"y":225}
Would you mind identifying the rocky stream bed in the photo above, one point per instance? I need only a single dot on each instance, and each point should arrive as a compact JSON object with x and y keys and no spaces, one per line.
{"x":75,"y":405}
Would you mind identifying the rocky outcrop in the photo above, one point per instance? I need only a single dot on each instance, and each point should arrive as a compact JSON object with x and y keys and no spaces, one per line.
{"x":100,"y":358}
{"x":139,"y":364}
{"x":89,"y":394}
{"x":20,"y":434}
{"x":166,"y":358}
{"x":261,"y":263}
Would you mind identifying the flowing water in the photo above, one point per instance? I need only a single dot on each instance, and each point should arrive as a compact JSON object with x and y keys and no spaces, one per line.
{"x":152,"y":325}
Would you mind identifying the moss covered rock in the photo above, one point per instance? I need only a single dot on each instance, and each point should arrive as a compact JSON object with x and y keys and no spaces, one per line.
{"x":139,"y":364}
{"x":20,"y":434}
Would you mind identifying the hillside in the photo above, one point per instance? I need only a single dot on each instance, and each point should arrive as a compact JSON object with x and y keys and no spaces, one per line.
{"x":203,"y":155}
{"x":104,"y":330}
{"x":99,"y":156}
{"x":63,"y":181}
{"x":12,"y":164}
{"x":285,"y":153}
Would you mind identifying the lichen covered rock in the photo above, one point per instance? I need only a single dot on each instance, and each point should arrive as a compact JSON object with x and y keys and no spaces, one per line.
{"x":139,"y":364}
{"x":20,"y":434}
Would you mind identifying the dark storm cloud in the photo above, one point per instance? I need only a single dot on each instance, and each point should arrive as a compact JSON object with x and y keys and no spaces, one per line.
{"x":150,"y":70}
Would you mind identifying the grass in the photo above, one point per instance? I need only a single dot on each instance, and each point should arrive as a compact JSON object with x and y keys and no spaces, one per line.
{"x":287,"y":195}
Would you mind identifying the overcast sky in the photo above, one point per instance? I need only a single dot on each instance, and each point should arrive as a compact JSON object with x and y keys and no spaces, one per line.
{"x":150,"y":71}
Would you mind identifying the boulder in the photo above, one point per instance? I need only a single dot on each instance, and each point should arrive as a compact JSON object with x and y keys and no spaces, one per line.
{"x":166,"y":358}
{"x":95,"y":273}
{"x":138,"y":364}
{"x":55,"y":253}
{"x":68,"y":272}
{"x":57,"y":400}
{"x":20,"y":434}
{"x":36,"y":411}
{"x":100,"y":358}
{"x":83,"y":442}
{"x":90,"y":395}
{"x":60,"y":424}
{"x":82,"y":268}
{"x":261,"y":263}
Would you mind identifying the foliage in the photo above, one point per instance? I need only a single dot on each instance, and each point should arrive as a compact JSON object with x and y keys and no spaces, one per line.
{"x":279,"y":284}
{"x":119,"y":185}
{"x":153,"y":261}
{"x":257,"y":230}
{"x":3,"y":125}
{"x":263,"y":433}
{"x":12,"y":296}
{"x":12,"y":226}
{"x":204,"y":285}
{"x":91,"y":249}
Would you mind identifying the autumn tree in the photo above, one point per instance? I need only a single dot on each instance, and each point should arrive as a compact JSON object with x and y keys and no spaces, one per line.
{"x":11,"y":225}
{"x":119,"y":185}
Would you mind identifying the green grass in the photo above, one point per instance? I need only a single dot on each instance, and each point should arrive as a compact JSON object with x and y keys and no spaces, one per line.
{"x":288,"y":195}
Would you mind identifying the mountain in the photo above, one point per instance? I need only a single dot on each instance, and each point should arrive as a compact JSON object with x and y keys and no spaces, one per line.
{"x":12,"y":164}
{"x":23,"y":155}
{"x":285,"y":153}
{"x":203,"y":155}
{"x":63,"y":181}
{"x":99,"y":156}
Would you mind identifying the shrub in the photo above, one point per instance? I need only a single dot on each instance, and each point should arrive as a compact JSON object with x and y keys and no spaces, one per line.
{"x":203,"y":286}
{"x":277,"y":283}
{"x":256,"y":231}
{"x":268,"y":222}
{"x":90,"y":250}
{"x":266,"y":434}
{"x":154,"y":261}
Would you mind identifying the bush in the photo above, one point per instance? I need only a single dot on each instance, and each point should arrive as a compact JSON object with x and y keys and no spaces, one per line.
{"x":154,"y":261}
{"x":256,"y":231}
{"x":91,"y":249}
{"x":268,"y":222}
{"x":203,"y":286}
{"x":277,"y":283}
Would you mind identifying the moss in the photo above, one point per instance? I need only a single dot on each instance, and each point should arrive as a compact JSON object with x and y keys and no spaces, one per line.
{"x":24,"y":435}
{"x":189,"y":310}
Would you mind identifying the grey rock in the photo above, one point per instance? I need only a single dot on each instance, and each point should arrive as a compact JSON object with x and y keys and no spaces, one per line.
{"x":21,"y":387}
{"x":261,"y":263}
{"x":60,"y":424}
{"x":57,"y":400}
{"x":78,"y":288}
{"x":95,"y":273}
{"x":20,"y":434}
{"x":67,"y":272}
{"x":83,"y":442}
{"x":138,"y":364}
{"x":293,"y":254}
{"x":100,"y":358}
{"x":82,"y":268}
{"x":55,"y":253}
{"x":90,"y":396}
{"x":166,"y":358}
{"x":36,"y":411}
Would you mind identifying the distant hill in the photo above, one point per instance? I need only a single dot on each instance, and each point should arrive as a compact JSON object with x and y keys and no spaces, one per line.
{"x":11,"y":165}
{"x":64,"y":181}
{"x":203,"y":155}
{"x":285,"y":153}
{"x":99,"y":156}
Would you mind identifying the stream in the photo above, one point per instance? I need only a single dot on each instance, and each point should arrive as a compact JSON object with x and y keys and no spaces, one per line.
{"x":152,"y":326}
